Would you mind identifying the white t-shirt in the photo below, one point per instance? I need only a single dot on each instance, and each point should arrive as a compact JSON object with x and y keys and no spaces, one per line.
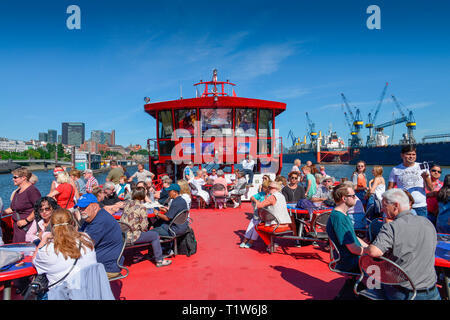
{"x":56,"y":267}
{"x":248,"y":164}
{"x":410,"y":179}
{"x":142,"y":175}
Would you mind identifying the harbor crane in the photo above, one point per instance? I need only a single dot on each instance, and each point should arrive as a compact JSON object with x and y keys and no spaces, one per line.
{"x":410,"y":123}
{"x":292,"y":137}
{"x":371,"y":141}
{"x":311,"y":131}
{"x":357,"y":124}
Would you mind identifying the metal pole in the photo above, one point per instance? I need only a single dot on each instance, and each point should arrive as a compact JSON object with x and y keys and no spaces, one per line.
{"x":73,"y":157}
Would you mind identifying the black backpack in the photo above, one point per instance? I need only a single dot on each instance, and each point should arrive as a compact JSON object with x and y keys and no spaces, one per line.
{"x":187,"y":244}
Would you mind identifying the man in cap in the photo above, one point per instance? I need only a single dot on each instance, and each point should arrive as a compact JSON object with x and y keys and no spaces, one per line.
{"x":177,"y":205}
{"x":90,"y":180}
{"x":104,"y":231}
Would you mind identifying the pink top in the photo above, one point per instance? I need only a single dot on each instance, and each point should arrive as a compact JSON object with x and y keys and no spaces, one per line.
{"x":222,"y":181}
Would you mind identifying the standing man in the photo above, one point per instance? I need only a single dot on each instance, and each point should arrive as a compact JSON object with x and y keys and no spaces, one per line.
{"x":141,"y":174}
{"x":115,"y":173}
{"x":104,"y":230}
{"x":411,"y":243}
{"x":90,"y":180}
{"x":410,"y":177}
{"x":247,"y":165}
{"x":188,"y":172}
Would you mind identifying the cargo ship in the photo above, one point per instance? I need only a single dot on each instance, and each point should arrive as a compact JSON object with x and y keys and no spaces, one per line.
{"x":331,"y":149}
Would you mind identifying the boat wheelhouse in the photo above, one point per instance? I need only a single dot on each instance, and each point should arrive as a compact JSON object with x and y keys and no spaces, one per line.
{"x":217,"y":129}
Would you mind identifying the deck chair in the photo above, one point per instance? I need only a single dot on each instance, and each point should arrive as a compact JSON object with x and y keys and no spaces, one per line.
{"x":125,"y":228}
{"x":194,"y":194}
{"x":381,"y":271}
{"x":237,"y":195}
{"x":179,"y":219}
{"x":271,"y":230}
{"x":318,"y":228}
{"x":351,"y":277}
{"x":218,"y":199}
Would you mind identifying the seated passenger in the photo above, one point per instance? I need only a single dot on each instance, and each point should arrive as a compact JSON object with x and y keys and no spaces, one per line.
{"x":123,"y":189}
{"x":356,"y":213}
{"x":275,"y":203}
{"x":224,"y":191}
{"x":163,"y":195}
{"x":185,"y":192}
{"x":103,"y":230}
{"x":238,"y":188}
{"x":250,"y":234}
{"x":135,"y":215}
{"x":443,"y":198}
{"x":340,"y":230}
{"x":177,"y":205}
{"x":324,"y":191}
{"x":198,"y":182}
{"x":293,"y":191}
{"x":56,"y":253}
{"x":111,"y":197}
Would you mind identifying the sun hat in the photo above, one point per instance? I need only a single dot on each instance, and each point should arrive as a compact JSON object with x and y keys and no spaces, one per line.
{"x":327,"y":177}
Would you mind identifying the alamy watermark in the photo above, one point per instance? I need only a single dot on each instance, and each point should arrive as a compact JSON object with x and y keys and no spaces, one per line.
{"x":74,"y":20}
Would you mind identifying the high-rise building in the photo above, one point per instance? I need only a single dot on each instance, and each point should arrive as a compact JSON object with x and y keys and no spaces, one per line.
{"x":52,"y":136}
{"x":59,"y":138}
{"x":43,"y":136}
{"x":98,"y":136}
{"x":73,"y":133}
{"x":107,"y":138}
{"x":113,"y":138}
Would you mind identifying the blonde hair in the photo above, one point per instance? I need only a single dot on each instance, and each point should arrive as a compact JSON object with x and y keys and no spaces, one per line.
{"x":378,"y":171}
{"x":33,"y":179}
{"x":62,"y":177}
{"x":184,"y":187}
{"x":66,"y":238}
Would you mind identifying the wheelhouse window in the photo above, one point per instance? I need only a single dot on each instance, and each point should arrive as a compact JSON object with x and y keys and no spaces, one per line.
{"x":165,"y":124}
{"x":265,"y":123}
{"x":166,"y":147}
{"x":216,"y":122}
{"x":185,"y":119}
{"x":245,"y":122}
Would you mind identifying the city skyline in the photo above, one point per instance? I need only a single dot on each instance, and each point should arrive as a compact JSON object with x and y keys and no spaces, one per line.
{"x":297,"y":52}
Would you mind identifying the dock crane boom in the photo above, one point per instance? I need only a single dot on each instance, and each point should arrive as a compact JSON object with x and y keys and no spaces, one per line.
{"x":410,"y":122}
{"x":371,"y":141}
{"x":311,"y":131}
{"x":356,"y":140}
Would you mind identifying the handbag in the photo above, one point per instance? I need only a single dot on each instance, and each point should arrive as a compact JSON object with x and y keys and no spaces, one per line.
{"x":39,"y":286}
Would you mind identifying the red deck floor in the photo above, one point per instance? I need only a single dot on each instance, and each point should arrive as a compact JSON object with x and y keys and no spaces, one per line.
{"x":221,"y":270}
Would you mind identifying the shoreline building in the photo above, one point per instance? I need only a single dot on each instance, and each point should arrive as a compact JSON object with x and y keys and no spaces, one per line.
{"x":73,"y":133}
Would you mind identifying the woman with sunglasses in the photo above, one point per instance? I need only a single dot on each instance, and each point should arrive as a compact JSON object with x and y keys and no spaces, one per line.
{"x":22,"y":204}
{"x":360,"y":181}
{"x":432,"y":202}
{"x":43,"y":209}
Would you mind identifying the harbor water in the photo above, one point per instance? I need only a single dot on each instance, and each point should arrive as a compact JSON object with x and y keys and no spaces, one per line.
{"x":46,"y":177}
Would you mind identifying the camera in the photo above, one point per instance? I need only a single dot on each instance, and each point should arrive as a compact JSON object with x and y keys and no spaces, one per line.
{"x":426,"y":165}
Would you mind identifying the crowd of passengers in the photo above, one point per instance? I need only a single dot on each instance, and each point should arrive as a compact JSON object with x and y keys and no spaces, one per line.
{"x":76,"y":219}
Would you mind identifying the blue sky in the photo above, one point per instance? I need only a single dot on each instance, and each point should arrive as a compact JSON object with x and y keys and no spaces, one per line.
{"x":303,"y":53}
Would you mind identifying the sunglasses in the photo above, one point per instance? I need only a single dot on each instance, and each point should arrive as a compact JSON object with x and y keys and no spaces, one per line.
{"x":16,"y":177}
{"x":351,"y":195}
{"x":436,"y":171}
{"x":45,"y":209}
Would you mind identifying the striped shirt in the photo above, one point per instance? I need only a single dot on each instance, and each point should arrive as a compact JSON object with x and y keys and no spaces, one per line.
{"x":91,"y":183}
